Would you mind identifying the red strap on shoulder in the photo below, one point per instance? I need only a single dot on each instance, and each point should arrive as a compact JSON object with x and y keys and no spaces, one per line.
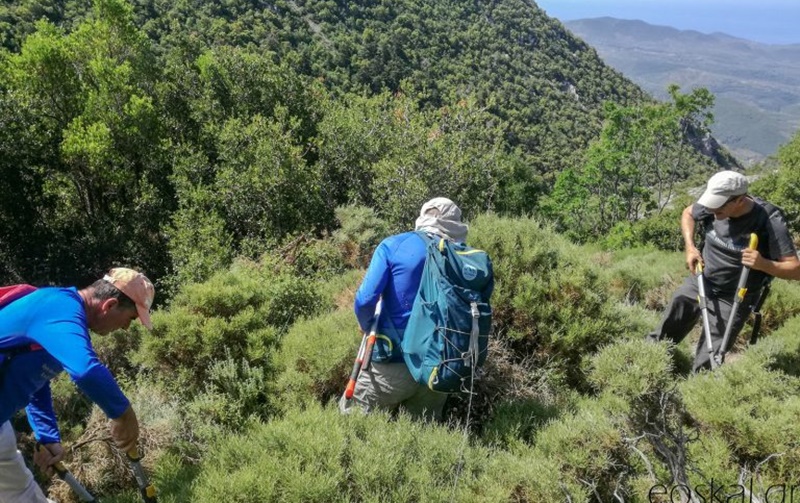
{"x":9,"y":294}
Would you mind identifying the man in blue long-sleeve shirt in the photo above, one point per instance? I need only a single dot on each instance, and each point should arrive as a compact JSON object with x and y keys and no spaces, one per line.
{"x":393,"y":276}
{"x":46,"y":332}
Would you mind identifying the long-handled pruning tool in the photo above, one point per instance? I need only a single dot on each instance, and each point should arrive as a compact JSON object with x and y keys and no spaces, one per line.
{"x":147,"y":489}
{"x":364,"y":355}
{"x":701,"y":298}
{"x":65,"y":475}
{"x":757,"y":305}
{"x":741,"y":291}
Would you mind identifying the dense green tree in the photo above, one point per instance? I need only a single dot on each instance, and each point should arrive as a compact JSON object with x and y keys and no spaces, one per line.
{"x":643,"y":151}
{"x":101,"y":196}
{"x":387,"y":153}
{"x":782,"y":186}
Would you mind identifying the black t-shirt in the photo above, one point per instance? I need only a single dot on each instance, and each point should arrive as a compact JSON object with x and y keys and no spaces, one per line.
{"x":725,"y":240}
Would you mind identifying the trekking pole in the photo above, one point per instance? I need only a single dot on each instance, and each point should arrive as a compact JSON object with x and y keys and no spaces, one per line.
{"x":70,"y":479}
{"x":373,"y":334}
{"x":147,"y":489}
{"x":701,"y":298}
{"x":741,"y":291}
{"x":351,"y":383}
{"x":362,"y":358}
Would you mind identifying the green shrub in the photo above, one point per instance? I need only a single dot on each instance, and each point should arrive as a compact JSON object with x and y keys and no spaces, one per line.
{"x":513,"y":423}
{"x":525,"y":477}
{"x":782,"y":303}
{"x":632,"y":369}
{"x":317,"y":258}
{"x":711,"y":459}
{"x":588,"y":445}
{"x":320,"y":455}
{"x":360,"y":231}
{"x":548,"y":299}
{"x":71,"y":406}
{"x":235,"y":394}
{"x":238,"y":314}
{"x":315,"y":358}
{"x":662,"y":231}
{"x":780,"y":350}
{"x":754,"y":408}
{"x":643,"y":276}
{"x":782,"y":187}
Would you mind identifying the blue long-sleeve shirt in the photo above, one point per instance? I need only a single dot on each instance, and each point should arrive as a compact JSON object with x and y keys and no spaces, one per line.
{"x":55,"y":319}
{"x":394,"y":273}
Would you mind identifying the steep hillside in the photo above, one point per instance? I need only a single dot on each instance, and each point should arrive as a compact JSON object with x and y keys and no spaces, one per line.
{"x":757,"y":85}
{"x":544,"y":84}
{"x":246,"y":122}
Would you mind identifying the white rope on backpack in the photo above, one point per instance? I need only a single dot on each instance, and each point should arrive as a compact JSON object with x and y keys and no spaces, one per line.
{"x":464,"y":442}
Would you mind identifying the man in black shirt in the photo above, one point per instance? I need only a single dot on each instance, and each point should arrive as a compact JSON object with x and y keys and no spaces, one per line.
{"x":728,"y":215}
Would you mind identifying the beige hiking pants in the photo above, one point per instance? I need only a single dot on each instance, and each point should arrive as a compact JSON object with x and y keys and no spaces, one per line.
{"x":390,"y":386}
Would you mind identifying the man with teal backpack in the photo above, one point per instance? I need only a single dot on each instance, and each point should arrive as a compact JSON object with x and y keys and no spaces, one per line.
{"x":432,"y":329}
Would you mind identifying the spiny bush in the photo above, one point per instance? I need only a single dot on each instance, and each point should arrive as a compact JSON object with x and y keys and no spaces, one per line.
{"x":320,"y":455}
{"x":360,"y":231}
{"x":782,"y":303}
{"x":515,"y":423}
{"x":637,"y":378}
{"x":780,"y":350}
{"x":240,"y":313}
{"x":547,"y":298}
{"x":315,"y":357}
{"x":642,"y":276}
{"x":235,"y":393}
{"x":588,"y":445}
{"x":712,"y":458}
{"x":754,"y":407}
{"x":632,"y":369}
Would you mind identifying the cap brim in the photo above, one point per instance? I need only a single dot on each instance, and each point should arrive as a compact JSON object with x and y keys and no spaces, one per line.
{"x":144,"y":317}
{"x":712,"y":201}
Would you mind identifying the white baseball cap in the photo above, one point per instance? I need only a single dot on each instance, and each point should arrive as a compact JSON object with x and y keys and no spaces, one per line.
{"x":721,"y":187}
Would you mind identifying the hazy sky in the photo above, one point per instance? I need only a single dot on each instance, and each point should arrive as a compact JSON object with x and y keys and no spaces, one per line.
{"x":768,"y":21}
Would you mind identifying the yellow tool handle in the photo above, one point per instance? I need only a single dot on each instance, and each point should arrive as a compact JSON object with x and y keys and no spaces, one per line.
{"x":753,"y":241}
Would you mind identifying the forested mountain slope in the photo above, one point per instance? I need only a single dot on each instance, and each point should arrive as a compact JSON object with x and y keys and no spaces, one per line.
{"x":148,"y":132}
{"x":546,"y":84}
{"x":756,"y":85}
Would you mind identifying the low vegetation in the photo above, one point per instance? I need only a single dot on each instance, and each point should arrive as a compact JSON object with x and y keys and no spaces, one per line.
{"x":573,"y":403}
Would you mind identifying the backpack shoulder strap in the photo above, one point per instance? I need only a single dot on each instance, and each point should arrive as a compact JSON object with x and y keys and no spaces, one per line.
{"x":9,"y":294}
{"x":763,"y":223}
{"x":429,"y":240}
{"x":703,"y":227}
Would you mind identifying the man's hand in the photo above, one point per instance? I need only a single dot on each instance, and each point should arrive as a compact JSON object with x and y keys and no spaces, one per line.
{"x":125,"y":430}
{"x":693,"y":257}
{"x":46,"y":455}
{"x":753,"y":259}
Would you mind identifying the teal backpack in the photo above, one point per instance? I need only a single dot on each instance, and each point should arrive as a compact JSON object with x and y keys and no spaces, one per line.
{"x":447,"y":334}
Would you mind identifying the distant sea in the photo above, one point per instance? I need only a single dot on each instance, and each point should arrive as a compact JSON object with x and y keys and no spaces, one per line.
{"x":766,"y":21}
